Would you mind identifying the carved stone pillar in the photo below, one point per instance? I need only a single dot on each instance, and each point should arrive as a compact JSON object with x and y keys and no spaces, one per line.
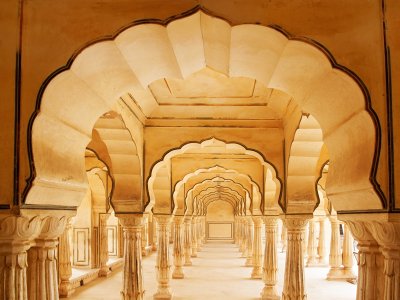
{"x":15,"y":236}
{"x":163,"y":265}
{"x":132,"y":277}
{"x":155,"y":240}
{"x":178,"y":248}
{"x":188,"y":241}
{"x":321,"y":242}
{"x":294,"y":285}
{"x":145,"y":235}
{"x":257,"y":249}
{"x":284,"y":237}
{"x":243,"y":247}
{"x":270,"y":266}
{"x":198,"y":234}
{"x":335,"y":255}
{"x":203,"y":228}
{"x":312,"y":245}
{"x":236,"y":235}
{"x":387,"y":234}
{"x":347,"y":255}
{"x":104,"y":269}
{"x":370,"y":263}
{"x":65,"y":288}
{"x":194,"y":237}
{"x":42,"y":260}
{"x":249,"y":245}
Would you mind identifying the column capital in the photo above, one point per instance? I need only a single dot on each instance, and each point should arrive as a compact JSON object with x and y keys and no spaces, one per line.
{"x":163,"y":219}
{"x":130,"y":220}
{"x":293,"y":222}
{"x":270,"y":220}
{"x":188,"y":219}
{"x":19,"y":229}
{"x":178,"y":219}
{"x":258,"y":220}
{"x":52,"y":228}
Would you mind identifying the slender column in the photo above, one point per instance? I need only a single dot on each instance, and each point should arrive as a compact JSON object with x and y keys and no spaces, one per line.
{"x":154,"y":246}
{"x":171,"y":233}
{"x":163,"y":262}
{"x":15,"y":236}
{"x":370,"y":262}
{"x":194,"y":237}
{"x":203,"y":226}
{"x":42,"y":260}
{"x":188,"y":241}
{"x":243,"y":247}
{"x":294,"y":285}
{"x":178,"y":248}
{"x":284,"y":237}
{"x":145,"y":234}
{"x":236,"y":235}
{"x":104,"y":269}
{"x":270,"y":267}
{"x":132,"y":277}
{"x":321,"y":242}
{"x":257,"y":249}
{"x":312,"y":245}
{"x":198,"y":234}
{"x":335,"y":256}
{"x":65,"y":288}
{"x":250,"y":237}
{"x":347,"y":255}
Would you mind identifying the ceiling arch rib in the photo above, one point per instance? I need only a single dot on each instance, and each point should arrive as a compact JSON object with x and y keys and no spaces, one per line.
{"x":303,"y":71}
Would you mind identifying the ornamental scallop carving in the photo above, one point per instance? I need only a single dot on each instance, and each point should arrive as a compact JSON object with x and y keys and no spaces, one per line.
{"x":17,"y":227}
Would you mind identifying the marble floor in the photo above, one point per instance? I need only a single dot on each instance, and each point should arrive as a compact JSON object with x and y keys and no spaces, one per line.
{"x":217,"y":273}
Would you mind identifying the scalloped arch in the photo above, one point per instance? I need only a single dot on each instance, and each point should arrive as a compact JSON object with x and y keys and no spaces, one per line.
{"x":97,"y":76}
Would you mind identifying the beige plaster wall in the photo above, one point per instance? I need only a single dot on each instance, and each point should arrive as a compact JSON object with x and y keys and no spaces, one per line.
{"x":8,"y":44}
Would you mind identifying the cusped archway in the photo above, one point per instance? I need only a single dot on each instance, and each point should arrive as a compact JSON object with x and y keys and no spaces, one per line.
{"x":139,"y":55}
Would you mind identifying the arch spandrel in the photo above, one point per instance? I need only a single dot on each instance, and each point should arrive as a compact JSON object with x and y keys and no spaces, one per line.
{"x":296,"y":68}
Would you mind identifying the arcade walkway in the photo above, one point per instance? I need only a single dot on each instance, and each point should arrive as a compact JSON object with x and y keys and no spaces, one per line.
{"x":217,"y":273}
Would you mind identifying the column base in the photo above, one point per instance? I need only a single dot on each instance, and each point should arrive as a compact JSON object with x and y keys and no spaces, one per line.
{"x":269,"y":293}
{"x":193,"y":255}
{"x":178,"y":274}
{"x":104,"y":272}
{"x":249,"y":262}
{"x":162,"y":296}
{"x":256,"y":273}
{"x":65,"y":289}
{"x":154,"y":247}
{"x":340,"y":274}
{"x":312,"y":263}
{"x":189,"y":263}
{"x":146,"y":250}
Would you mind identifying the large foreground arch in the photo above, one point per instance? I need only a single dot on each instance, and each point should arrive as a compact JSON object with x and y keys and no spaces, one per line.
{"x":128,"y":62}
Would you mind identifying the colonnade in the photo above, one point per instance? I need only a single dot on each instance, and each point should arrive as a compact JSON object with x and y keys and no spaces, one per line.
{"x":29,"y":261}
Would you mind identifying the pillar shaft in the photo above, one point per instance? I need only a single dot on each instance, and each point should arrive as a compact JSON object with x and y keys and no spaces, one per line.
{"x":284,"y":237}
{"x":347,"y":254}
{"x":294,"y":285}
{"x":194,"y":237}
{"x":335,"y":255}
{"x":145,"y":235}
{"x":257,"y":249}
{"x":178,"y":248}
{"x":312,"y":244}
{"x":198,"y":233}
{"x":321,"y":242}
{"x":188,"y":241}
{"x":132,"y":288}
{"x":163,"y":265}
{"x":270,"y":266}
{"x":64,"y":263}
{"x":104,"y":269}
{"x":249,"y":244}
